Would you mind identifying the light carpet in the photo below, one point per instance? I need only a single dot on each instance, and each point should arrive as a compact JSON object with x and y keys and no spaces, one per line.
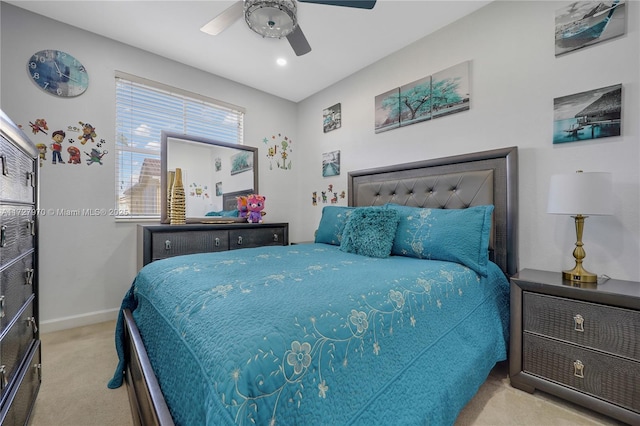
{"x":78,"y":363}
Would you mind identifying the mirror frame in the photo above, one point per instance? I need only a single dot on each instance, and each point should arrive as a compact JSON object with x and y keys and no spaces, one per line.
{"x":165,"y":136}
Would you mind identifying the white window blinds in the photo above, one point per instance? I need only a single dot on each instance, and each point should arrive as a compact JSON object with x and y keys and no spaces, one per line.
{"x":143,"y":110}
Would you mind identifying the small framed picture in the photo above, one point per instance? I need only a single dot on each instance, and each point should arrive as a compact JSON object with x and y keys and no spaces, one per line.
{"x":331,"y":163}
{"x":332,"y":118}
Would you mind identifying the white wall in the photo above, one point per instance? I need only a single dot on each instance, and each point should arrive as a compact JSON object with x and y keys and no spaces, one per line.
{"x":88,"y":263}
{"x":514,"y":78}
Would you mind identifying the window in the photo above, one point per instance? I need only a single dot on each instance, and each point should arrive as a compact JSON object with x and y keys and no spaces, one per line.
{"x":143,"y":110}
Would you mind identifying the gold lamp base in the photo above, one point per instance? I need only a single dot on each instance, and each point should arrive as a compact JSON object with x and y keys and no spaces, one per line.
{"x":579,"y":274}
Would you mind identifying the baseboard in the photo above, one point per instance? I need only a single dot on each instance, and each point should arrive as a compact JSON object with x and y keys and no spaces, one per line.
{"x":78,"y":320}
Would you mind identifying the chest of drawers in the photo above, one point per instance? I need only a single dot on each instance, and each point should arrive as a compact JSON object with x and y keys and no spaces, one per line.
{"x":161,"y":241}
{"x":19,"y":339}
{"x":579,"y":343}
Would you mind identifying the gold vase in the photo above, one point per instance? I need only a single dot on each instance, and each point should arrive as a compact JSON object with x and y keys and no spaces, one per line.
{"x":178,"y":207}
{"x":171,"y":177}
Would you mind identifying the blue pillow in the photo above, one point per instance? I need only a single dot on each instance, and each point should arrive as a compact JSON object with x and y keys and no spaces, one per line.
{"x":332,"y":224}
{"x":369,"y":231}
{"x":224,"y":213}
{"x":454,"y":235}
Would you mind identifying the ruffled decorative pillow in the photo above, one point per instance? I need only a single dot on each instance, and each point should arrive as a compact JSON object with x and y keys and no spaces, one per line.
{"x":370,"y":231}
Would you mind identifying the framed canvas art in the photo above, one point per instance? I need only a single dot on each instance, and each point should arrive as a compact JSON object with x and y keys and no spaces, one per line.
{"x":332,"y":118}
{"x":585,"y":23}
{"x":331,"y":163}
{"x":450,"y":90}
{"x":588,"y":115}
{"x":387,"y":106}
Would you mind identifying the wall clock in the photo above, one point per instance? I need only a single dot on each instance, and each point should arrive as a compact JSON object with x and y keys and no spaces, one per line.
{"x":58,"y":73}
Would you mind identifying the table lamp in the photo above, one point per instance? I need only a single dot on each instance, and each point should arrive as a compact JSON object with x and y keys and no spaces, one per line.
{"x":580,"y":195}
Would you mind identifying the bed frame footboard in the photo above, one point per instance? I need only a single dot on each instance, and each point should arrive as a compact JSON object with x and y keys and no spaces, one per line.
{"x":148,"y":406}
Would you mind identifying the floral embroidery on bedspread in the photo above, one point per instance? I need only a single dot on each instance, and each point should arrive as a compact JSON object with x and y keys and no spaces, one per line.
{"x":283,"y":371}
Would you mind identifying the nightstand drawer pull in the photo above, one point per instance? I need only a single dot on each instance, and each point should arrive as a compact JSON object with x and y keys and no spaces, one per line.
{"x":275,"y":238}
{"x":239,"y":240}
{"x":167,"y":245}
{"x":578,"y":369}
{"x":578,"y":322}
{"x":217,"y":242}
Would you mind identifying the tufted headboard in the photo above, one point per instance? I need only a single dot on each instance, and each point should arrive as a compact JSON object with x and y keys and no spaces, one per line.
{"x":488,"y":177}
{"x":229,"y":200}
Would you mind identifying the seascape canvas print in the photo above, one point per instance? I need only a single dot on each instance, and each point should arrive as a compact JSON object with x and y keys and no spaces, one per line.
{"x":414,"y":101}
{"x":450,"y":90}
{"x":588,"y":115}
{"x":387,"y":110}
{"x":331,"y":163}
{"x":332,"y":118}
{"x":586,"y":23}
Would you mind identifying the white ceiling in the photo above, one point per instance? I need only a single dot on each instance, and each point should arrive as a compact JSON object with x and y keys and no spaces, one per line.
{"x":344,"y":40}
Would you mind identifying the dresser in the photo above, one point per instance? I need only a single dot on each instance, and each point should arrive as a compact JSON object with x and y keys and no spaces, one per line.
{"x":19,"y":339}
{"x":580,"y":342}
{"x":161,"y":241}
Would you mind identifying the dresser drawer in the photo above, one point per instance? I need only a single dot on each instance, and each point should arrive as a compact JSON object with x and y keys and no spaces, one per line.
{"x":17,"y":232}
{"x":606,"y":328}
{"x":614,"y":379}
{"x":17,"y":182}
{"x":169,"y":244}
{"x":14,"y":343}
{"x":257,"y":237}
{"x":17,"y":408}
{"x":16,"y":286}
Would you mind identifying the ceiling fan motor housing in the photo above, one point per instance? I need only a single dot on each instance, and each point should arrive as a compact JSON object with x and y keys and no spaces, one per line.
{"x":271,"y":18}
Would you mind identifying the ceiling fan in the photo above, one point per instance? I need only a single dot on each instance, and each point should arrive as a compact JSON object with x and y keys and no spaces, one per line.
{"x":275,"y":19}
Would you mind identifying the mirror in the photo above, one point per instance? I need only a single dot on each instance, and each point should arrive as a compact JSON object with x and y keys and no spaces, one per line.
{"x":213,"y":174}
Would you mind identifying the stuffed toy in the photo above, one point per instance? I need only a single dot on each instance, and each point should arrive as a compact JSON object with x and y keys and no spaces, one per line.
{"x":242,"y":206}
{"x":255,"y":204}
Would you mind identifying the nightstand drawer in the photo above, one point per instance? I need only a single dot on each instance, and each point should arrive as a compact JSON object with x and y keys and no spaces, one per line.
{"x":608,"y":377}
{"x":606,"y":328}
{"x":169,"y":244}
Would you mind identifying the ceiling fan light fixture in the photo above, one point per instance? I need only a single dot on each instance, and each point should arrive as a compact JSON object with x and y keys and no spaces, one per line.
{"x":271,"y":18}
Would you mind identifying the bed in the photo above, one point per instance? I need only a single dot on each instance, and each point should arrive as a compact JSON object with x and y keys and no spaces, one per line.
{"x":396,"y":313}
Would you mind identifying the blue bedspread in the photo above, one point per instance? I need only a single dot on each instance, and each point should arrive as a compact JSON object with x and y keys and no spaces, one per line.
{"x":310,"y":335}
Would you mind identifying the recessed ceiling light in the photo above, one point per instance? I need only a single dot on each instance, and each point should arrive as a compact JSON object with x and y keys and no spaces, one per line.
{"x":281,"y":61}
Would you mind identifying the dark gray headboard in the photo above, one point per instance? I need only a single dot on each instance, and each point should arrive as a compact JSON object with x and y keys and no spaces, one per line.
{"x":488,"y":177}
{"x":229,"y":201}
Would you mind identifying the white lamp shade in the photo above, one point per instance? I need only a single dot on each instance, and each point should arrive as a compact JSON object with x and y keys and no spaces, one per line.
{"x":585,"y":193}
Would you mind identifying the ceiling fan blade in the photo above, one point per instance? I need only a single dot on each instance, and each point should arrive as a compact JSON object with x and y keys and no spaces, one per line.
{"x":225,"y":19}
{"x":299,"y":42}
{"x":361,"y":4}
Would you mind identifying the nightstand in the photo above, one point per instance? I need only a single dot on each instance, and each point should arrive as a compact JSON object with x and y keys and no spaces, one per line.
{"x":579,"y":342}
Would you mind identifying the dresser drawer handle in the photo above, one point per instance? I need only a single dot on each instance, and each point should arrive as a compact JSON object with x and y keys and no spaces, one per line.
{"x":2,"y":312}
{"x":31,"y":321}
{"x":28,"y":276}
{"x":4,"y":381}
{"x":275,"y":237}
{"x":3,"y":236}
{"x":31,"y":179}
{"x":578,"y":369}
{"x":578,"y":323}
{"x":5,"y":171}
{"x":31,"y":226}
{"x":239,"y":240}
{"x":167,"y":245}
{"x":217,"y":240}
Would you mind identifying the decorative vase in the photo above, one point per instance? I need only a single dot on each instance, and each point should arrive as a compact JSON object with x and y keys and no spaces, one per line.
{"x":178,"y":207}
{"x":171,"y":177}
